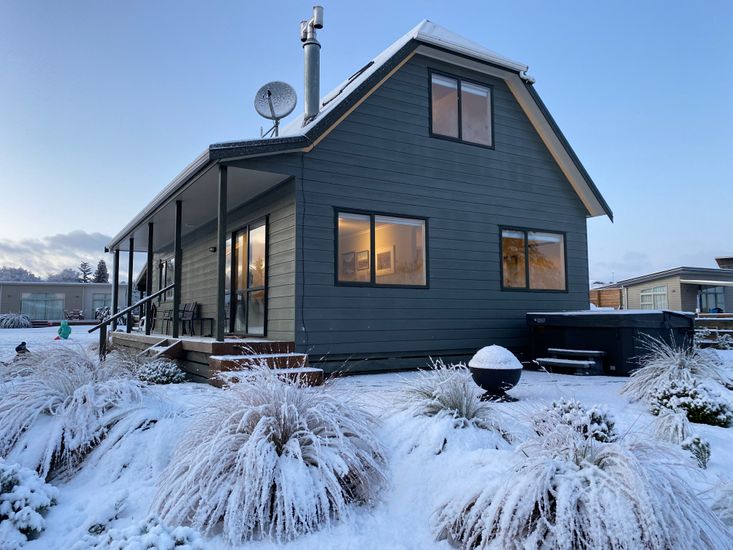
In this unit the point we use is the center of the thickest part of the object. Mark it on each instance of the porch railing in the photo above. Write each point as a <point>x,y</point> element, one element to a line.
<point>103,325</point>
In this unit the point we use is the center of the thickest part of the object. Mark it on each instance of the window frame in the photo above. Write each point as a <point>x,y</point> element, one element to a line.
<point>372,260</point>
<point>459,79</point>
<point>527,231</point>
<point>261,221</point>
<point>163,264</point>
<point>650,292</point>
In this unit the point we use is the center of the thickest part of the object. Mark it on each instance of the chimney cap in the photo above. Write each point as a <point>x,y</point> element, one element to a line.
<point>317,17</point>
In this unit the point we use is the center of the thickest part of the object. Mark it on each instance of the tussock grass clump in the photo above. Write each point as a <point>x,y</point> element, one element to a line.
<point>672,427</point>
<point>271,459</point>
<point>567,490</point>
<point>15,320</point>
<point>448,390</point>
<point>73,399</point>
<point>664,363</point>
<point>722,503</point>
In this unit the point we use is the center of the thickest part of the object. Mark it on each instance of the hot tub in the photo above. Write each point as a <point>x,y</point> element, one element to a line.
<point>618,333</point>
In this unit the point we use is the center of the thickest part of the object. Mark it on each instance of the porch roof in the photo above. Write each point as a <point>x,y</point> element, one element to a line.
<point>197,189</point>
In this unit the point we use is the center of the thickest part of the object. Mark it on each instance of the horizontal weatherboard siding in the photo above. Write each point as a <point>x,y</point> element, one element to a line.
<point>382,158</point>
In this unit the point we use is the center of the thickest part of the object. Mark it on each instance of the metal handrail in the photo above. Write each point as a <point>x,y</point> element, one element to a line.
<point>103,325</point>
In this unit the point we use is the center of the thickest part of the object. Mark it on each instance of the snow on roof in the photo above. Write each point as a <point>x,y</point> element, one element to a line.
<point>610,312</point>
<point>425,31</point>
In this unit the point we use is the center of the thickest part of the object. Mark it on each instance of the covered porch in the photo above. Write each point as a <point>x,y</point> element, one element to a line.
<point>209,236</point>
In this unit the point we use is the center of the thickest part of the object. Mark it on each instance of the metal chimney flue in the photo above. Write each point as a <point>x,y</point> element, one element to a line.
<point>312,58</point>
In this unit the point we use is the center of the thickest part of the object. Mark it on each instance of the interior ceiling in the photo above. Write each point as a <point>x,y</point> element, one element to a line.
<point>200,202</point>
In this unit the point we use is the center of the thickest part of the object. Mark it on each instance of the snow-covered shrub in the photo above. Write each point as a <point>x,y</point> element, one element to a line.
<point>271,458</point>
<point>700,405</point>
<point>699,449</point>
<point>663,363</point>
<point>72,397</point>
<point>24,499</point>
<point>15,320</point>
<point>595,422</point>
<point>150,534</point>
<point>160,371</point>
<point>569,491</point>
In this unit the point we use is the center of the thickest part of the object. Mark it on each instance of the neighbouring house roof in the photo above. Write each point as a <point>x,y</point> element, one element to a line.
<point>55,283</point>
<point>426,38</point>
<point>687,275</point>
<point>724,262</point>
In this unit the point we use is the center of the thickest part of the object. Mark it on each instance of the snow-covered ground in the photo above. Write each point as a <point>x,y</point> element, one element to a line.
<point>116,486</point>
<point>42,337</point>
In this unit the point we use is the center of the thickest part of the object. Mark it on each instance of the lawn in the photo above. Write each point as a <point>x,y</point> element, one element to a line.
<point>428,461</point>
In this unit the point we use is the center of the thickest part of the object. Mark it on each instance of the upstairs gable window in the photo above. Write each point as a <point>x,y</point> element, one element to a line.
<point>460,110</point>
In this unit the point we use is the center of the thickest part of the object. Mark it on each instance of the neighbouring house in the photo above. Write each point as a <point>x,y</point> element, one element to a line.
<point>47,301</point>
<point>419,209</point>
<point>697,289</point>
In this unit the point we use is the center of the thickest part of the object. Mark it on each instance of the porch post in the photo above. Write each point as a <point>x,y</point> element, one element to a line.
<point>221,244</point>
<point>149,281</point>
<point>177,268</point>
<point>130,258</point>
<point>115,286</point>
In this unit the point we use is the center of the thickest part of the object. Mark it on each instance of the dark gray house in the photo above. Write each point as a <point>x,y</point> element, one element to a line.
<point>420,209</point>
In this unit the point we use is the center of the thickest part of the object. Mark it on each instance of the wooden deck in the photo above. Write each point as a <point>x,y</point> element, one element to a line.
<point>195,351</point>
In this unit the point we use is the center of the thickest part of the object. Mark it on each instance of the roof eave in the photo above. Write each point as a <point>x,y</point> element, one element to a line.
<point>566,144</point>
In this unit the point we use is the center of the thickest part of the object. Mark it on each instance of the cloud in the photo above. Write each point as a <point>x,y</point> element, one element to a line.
<point>53,253</point>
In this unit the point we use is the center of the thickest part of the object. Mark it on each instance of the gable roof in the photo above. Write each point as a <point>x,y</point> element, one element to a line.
<point>426,38</point>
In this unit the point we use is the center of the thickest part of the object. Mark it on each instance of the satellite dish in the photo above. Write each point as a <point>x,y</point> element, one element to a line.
<point>275,100</point>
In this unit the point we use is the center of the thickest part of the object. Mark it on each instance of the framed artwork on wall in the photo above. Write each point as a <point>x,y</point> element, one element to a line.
<point>362,260</point>
<point>385,260</point>
<point>348,263</point>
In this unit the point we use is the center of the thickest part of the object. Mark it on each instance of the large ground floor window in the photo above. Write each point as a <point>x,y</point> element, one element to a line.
<point>712,299</point>
<point>532,260</point>
<point>653,298</point>
<point>43,305</point>
<point>380,250</point>
<point>101,299</point>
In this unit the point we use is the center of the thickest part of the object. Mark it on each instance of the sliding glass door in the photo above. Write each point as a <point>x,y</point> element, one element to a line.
<point>248,278</point>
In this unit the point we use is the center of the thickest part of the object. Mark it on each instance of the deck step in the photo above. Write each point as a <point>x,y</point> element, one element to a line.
<point>168,347</point>
<point>263,347</point>
<point>309,376</point>
<point>271,360</point>
<point>560,352</point>
<point>576,366</point>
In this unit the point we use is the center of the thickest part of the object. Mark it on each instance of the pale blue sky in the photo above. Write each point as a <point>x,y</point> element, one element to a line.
<point>102,103</point>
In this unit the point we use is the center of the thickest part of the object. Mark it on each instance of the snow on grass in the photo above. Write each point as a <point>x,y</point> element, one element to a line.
<point>58,404</point>
<point>664,363</point>
<point>567,490</point>
<point>271,459</point>
<point>114,490</point>
<point>39,338</point>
